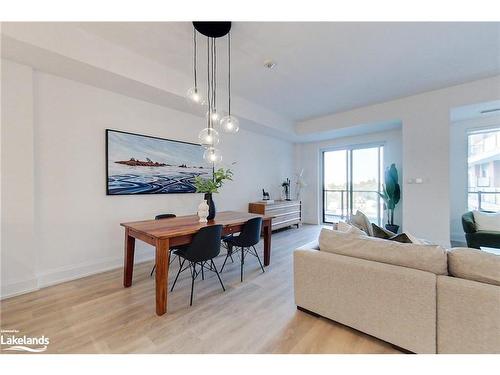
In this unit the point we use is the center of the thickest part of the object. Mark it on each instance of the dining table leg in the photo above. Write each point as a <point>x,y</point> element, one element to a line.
<point>162,260</point>
<point>128,268</point>
<point>267,242</point>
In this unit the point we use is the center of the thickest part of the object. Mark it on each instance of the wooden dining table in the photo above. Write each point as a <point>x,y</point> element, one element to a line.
<point>168,233</point>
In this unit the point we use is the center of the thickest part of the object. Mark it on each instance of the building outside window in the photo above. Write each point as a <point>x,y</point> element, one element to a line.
<point>484,170</point>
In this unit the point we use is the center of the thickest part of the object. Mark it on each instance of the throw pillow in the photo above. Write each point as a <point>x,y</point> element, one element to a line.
<point>348,228</point>
<point>487,221</point>
<point>361,221</point>
<point>402,237</point>
<point>380,232</point>
<point>385,234</point>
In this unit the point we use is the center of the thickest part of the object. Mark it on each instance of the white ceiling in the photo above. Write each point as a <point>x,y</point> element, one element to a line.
<point>324,68</point>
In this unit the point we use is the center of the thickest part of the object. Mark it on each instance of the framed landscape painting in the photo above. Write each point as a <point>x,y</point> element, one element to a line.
<point>140,164</point>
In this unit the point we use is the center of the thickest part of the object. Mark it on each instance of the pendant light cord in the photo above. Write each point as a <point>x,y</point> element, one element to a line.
<point>208,81</point>
<point>195,61</point>
<point>215,74</point>
<point>229,71</point>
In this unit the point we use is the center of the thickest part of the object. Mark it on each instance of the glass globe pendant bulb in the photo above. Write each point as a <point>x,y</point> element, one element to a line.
<point>212,155</point>
<point>230,124</point>
<point>214,116</point>
<point>209,137</point>
<point>194,97</point>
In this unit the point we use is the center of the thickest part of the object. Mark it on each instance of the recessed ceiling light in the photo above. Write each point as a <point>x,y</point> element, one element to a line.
<point>269,64</point>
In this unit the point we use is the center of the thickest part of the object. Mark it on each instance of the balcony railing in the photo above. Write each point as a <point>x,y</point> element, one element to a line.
<point>484,200</point>
<point>336,204</point>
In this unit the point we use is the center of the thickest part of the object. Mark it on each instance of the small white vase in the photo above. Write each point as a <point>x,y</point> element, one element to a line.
<point>203,211</point>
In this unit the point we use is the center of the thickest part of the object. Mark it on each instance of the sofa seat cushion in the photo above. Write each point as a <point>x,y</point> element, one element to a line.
<point>430,258</point>
<point>474,265</point>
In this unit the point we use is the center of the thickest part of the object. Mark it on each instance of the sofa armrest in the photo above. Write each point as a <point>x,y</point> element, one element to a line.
<point>468,222</point>
<point>468,316</point>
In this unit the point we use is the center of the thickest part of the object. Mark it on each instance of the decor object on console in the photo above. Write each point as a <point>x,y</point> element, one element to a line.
<point>141,164</point>
<point>284,213</point>
<point>265,195</point>
<point>391,195</point>
<point>300,184</point>
<point>286,189</point>
<point>203,211</point>
<point>212,186</point>
<point>228,123</point>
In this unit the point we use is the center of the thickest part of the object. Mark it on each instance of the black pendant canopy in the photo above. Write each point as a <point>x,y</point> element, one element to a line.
<point>212,29</point>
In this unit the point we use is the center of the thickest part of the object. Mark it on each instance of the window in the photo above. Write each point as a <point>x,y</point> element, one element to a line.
<point>484,170</point>
<point>352,179</point>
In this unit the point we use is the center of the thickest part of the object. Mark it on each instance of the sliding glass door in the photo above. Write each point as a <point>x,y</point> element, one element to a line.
<point>352,179</point>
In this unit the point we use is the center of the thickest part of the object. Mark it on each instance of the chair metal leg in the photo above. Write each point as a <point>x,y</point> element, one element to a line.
<point>169,263</point>
<point>202,273</point>
<point>242,261</point>
<point>192,283</point>
<point>177,276</point>
<point>172,257</point>
<point>217,273</point>
<point>258,258</point>
<point>223,264</point>
<point>230,252</point>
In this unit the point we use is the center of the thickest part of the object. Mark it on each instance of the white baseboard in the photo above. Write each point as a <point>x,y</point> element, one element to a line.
<point>17,288</point>
<point>64,274</point>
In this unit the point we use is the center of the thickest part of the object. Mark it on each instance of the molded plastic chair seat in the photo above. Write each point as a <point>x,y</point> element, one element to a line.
<point>246,240</point>
<point>203,248</point>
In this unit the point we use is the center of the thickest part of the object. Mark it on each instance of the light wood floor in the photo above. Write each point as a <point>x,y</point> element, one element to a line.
<point>97,315</point>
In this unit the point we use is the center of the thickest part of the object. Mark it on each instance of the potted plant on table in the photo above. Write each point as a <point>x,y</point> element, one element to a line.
<point>211,186</point>
<point>391,195</point>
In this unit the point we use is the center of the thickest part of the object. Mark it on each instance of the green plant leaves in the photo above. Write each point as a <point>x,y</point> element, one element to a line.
<point>212,186</point>
<point>391,191</point>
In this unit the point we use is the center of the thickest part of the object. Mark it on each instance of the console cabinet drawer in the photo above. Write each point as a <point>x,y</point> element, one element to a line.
<point>284,213</point>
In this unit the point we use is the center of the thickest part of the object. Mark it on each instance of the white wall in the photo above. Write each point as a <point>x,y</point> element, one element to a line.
<point>308,157</point>
<point>458,170</point>
<point>17,198</point>
<point>426,146</point>
<point>78,230</point>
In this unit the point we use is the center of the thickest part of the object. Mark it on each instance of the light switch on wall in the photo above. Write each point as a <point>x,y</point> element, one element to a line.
<point>416,180</point>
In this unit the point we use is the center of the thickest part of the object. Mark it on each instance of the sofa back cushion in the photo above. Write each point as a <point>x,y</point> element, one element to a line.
<point>487,221</point>
<point>476,265</point>
<point>430,258</point>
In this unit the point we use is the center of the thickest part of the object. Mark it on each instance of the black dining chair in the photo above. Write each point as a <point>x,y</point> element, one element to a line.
<point>246,241</point>
<point>203,248</point>
<point>172,256</point>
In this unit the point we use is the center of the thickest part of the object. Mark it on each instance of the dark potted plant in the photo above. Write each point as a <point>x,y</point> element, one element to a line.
<point>212,186</point>
<point>391,195</point>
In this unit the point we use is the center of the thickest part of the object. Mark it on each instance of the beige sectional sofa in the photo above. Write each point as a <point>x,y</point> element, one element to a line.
<point>422,298</point>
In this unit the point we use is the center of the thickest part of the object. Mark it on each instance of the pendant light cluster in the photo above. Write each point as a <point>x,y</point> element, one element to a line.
<point>216,120</point>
